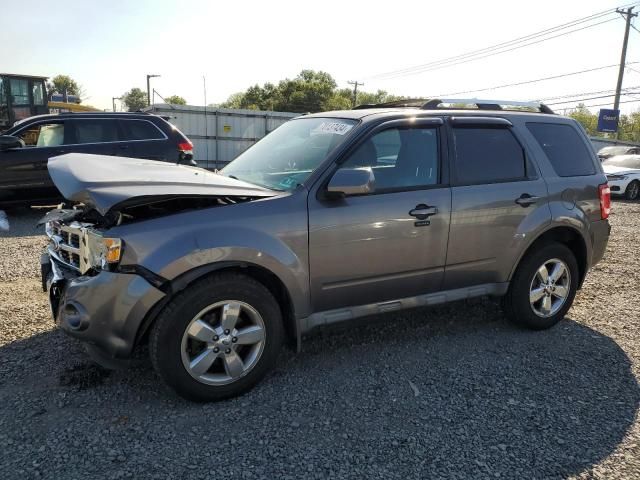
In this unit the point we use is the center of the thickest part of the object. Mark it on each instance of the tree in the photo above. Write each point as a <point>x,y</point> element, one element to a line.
<point>64,83</point>
<point>587,119</point>
<point>310,91</point>
<point>175,100</point>
<point>135,99</point>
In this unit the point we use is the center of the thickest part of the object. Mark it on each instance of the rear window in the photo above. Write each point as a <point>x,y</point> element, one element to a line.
<point>564,148</point>
<point>487,155</point>
<point>96,131</point>
<point>140,130</point>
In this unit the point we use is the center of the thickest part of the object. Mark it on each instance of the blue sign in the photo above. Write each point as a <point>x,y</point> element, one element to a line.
<point>608,120</point>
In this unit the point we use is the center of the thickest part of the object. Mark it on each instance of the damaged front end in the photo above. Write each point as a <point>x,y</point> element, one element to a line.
<point>106,192</point>
<point>93,297</point>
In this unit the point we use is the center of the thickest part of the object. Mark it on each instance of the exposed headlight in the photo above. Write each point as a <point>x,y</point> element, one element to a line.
<point>102,252</point>
<point>616,177</point>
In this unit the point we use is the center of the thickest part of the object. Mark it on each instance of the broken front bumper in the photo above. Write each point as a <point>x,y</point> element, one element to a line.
<point>105,310</point>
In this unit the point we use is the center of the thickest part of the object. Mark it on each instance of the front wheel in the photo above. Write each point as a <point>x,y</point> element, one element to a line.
<point>632,191</point>
<point>543,287</point>
<point>218,338</point>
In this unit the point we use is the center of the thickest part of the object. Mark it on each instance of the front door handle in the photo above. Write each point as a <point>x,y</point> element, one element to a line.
<point>525,200</point>
<point>422,211</point>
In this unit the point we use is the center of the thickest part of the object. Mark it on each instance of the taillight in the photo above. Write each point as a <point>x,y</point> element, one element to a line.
<point>186,147</point>
<point>604,192</point>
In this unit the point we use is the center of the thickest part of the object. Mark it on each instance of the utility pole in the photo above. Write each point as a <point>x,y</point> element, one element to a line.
<point>628,15</point>
<point>149,89</point>
<point>113,101</point>
<point>355,91</point>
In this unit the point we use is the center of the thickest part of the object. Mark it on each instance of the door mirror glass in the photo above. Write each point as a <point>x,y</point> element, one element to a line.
<point>7,142</point>
<point>352,181</point>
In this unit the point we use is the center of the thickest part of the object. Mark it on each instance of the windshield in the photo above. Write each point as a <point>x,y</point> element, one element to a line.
<point>286,157</point>
<point>628,161</point>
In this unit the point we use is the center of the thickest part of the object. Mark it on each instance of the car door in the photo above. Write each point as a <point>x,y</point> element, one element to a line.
<point>146,140</point>
<point>24,170</point>
<point>373,248</point>
<point>498,196</point>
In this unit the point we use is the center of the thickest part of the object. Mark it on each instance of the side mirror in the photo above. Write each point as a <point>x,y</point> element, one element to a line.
<point>352,181</point>
<point>7,142</point>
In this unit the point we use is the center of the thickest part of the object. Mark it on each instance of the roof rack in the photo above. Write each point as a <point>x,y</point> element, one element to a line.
<point>481,104</point>
<point>407,102</point>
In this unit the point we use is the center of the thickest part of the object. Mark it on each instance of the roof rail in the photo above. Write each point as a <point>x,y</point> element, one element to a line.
<point>481,104</point>
<point>484,104</point>
<point>407,102</point>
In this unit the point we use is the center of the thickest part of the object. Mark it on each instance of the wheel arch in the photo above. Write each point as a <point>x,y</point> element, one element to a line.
<point>565,235</point>
<point>267,278</point>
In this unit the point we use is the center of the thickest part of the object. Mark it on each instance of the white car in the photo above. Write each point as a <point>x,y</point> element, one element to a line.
<point>623,175</point>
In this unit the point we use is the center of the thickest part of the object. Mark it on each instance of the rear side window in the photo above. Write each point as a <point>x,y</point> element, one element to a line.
<point>96,131</point>
<point>487,155</point>
<point>564,148</point>
<point>140,130</point>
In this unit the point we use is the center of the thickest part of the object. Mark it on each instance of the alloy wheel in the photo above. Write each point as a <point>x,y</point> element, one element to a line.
<point>549,288</point>
<point>223,342</point>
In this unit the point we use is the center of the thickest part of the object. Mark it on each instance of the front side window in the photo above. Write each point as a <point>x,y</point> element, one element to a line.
<point>19,91</point>
<point>287,156</point>
<point>487,155</point>
<point>96,131</point>
<point>399,157</point>
<point>564,148</point>
<point>43,135</point>
<point>3,96</point>
<point>38,93</point>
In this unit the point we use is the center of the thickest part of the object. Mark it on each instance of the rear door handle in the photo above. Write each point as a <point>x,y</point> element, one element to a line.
<point>525,200</point>
<point>422,211</point>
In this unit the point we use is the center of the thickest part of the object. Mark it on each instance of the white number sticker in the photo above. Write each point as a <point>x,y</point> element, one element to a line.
<point>336,128</point>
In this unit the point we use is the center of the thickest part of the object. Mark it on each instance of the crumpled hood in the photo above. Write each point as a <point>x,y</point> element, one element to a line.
<point>104,182</point>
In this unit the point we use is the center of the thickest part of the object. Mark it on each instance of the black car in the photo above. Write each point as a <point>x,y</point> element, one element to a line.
<point>27,146</point>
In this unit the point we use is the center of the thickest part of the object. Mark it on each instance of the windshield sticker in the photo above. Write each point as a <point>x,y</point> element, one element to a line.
<point>336,128</point>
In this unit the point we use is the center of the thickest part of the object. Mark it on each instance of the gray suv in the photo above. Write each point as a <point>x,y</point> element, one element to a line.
<point>331,217</point>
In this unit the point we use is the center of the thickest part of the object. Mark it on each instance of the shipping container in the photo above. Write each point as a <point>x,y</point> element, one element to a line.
<point>220,134</point>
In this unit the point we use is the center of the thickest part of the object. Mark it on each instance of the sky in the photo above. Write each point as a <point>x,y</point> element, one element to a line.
<point>110,46</point>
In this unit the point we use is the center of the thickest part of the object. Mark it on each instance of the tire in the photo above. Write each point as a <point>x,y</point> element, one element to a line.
<point>191,329</point>
<point>632,191</point>
<point>527,283</point>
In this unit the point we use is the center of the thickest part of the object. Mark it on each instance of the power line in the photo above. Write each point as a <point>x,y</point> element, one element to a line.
<point>578,100</point>
<point>583,94</point>
<point>491,50</point>
<point>491,54</point>
<point>609,103</point>
<point>526,82</point>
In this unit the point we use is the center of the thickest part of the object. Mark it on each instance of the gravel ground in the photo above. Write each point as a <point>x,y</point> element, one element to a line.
<point>452,392</point>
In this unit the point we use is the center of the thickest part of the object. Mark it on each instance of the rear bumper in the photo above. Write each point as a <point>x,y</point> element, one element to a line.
<point>104,311</point>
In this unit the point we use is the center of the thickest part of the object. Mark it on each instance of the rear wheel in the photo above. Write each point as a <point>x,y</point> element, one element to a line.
<point>218,338</point>
<point>543,288</point>
<point>632,191</point>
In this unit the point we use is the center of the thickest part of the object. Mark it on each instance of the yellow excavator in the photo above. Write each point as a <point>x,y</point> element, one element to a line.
<point>22,96</point>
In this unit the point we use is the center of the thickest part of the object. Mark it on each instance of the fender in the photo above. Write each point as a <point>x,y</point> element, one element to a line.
<point>271,234</point>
